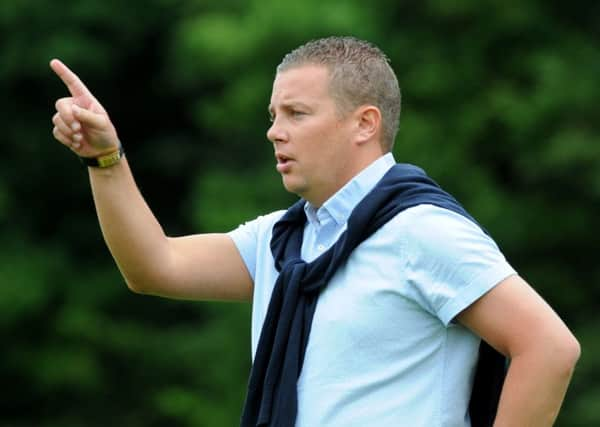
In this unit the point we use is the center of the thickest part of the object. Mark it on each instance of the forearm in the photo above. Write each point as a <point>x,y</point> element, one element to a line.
<point>133,235</point>
<point>206,266</point>
<point>534,389</point>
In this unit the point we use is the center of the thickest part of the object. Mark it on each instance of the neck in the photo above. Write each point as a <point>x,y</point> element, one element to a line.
<point>349,173</point>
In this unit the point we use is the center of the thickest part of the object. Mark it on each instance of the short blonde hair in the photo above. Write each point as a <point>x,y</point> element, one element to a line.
<point>360,74</point>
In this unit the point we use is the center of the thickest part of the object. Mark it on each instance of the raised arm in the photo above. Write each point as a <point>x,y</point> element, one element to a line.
<point>206,266</point>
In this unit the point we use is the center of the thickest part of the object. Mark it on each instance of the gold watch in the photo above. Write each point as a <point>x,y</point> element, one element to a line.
<point>104,161</point>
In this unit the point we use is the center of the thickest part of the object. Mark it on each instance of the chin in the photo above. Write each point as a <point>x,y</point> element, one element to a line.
<point>293,186</point>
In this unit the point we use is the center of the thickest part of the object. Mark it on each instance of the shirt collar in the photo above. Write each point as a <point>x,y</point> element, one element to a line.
<point>340,205</point>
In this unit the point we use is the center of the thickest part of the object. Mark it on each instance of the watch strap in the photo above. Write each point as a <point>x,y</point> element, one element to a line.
<point>104,161</point>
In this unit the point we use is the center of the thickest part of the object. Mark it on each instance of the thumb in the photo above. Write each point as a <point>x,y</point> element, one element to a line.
<point>91,120</point>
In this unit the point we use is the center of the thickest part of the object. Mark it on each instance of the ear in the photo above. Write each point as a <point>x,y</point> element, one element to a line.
<point>368,123</point>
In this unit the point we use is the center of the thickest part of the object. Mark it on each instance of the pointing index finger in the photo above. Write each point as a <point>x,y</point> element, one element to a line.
<point>69,78</point>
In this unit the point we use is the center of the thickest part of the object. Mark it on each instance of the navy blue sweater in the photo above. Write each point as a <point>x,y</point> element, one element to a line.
<point>272,395</point>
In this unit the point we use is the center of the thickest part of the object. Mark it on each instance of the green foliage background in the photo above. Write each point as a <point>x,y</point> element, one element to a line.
<point>500,106</point>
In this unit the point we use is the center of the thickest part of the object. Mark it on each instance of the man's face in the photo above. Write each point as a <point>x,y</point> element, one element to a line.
<point>311,140</point>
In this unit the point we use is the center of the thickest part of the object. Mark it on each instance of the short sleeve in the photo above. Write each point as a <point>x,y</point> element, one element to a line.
<point>450,261</point>
<point>251,236</point>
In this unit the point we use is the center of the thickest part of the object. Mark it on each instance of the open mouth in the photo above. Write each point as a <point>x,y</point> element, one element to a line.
<point>282,159</point>
<point>283,162</point>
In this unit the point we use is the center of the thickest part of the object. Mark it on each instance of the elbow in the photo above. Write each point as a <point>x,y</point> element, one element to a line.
<point>573,351</point>
<point>141,285</point>
<point>135,286</point>
<point>566,352</point>
<point>558,354</point>
<point>150,278</point>
<point>146,280</point>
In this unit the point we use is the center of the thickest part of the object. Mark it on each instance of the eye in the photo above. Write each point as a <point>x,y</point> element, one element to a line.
<point>297,114</point>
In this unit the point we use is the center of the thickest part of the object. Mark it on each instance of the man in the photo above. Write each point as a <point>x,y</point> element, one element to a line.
<point>392,337</point>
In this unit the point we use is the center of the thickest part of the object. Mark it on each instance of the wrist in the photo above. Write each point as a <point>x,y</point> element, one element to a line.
<point>104,160</point>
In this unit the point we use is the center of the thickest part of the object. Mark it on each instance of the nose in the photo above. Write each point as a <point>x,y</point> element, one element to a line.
<point>276,133</point>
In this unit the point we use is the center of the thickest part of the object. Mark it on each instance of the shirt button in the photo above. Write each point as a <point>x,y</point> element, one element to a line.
<point>320,248</point>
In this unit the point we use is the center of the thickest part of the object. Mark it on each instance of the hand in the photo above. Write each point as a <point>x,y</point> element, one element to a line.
<point>81,123</point>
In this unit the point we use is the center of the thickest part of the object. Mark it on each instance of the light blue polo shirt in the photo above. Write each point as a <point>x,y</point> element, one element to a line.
<point>383,350</point>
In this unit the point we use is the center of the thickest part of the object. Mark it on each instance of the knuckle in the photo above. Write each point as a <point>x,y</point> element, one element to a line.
<point>60,125</point>
<point>58,135</point>
<point>56,119</point>
<point>61,103</point>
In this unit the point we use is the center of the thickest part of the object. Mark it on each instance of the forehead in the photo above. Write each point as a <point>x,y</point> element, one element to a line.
<point>301,83</point>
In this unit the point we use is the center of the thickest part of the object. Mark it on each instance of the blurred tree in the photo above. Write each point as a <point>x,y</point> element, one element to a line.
<point>500,106</point>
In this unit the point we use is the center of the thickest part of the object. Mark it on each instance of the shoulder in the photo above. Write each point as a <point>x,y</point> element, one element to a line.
<point>260,223</point>
<point>434,239</point>
<point>252,238</point>
<point>427,226</point>
<point>435,236</point>
<point>431,228</point>
<point>448,257</point>
<point>253,232</point>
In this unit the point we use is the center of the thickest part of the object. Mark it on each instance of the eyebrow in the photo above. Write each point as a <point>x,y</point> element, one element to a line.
<point>288,106</point>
